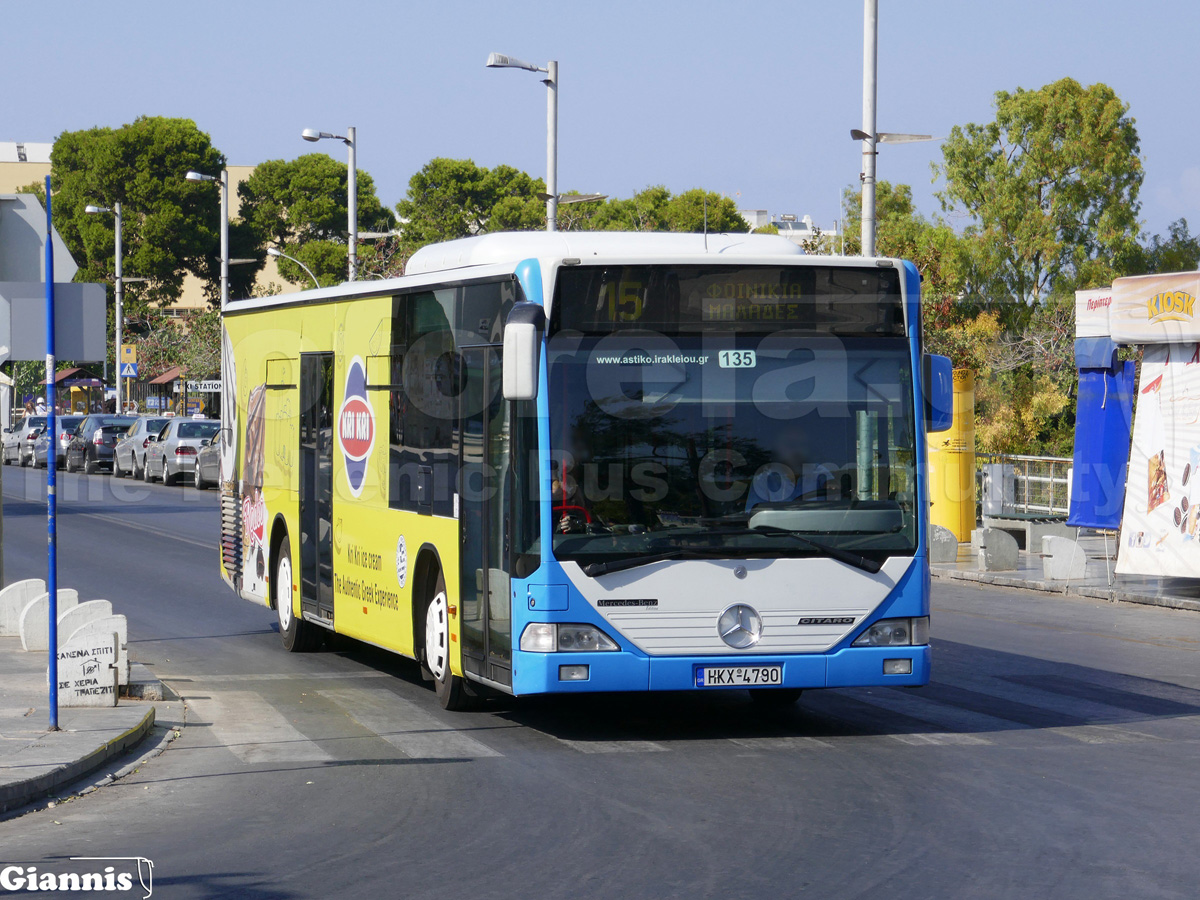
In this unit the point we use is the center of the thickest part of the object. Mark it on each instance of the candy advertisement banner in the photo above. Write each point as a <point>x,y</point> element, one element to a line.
<point>1159,527</point>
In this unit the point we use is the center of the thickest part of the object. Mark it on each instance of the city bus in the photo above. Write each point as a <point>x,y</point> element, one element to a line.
<point>560,462</point>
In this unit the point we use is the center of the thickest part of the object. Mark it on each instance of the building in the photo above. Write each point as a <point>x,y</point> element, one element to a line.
<point>800,230</point>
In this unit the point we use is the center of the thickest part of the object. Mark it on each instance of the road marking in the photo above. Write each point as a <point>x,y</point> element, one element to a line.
<point>405,725</point>
<point>273,676</point>
<point>782,743</point>
<point>253,730</point>
<point>613,746</point>
<point>116,520</point>
<point>1103,734</point>
<point>961,726</point>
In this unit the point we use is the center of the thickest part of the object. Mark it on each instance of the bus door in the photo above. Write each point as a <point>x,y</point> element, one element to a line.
<point>316,484</point>
<point>485,486</point>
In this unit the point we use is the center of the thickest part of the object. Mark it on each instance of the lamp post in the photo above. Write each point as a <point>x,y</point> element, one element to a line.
<point>351,141</point>
<point>223,180</point>
<point>119,282</point>
<point>500,61</point>
<point>279,254</point>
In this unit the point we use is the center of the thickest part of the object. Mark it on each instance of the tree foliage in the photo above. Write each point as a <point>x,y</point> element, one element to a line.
<point>299,207</point>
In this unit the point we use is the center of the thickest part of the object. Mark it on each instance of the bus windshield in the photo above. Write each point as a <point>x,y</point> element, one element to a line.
<point>731,439</point>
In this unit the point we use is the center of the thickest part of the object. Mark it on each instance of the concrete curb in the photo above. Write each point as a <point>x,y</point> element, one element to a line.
<point>1112,595</point>
<point>20,793</point>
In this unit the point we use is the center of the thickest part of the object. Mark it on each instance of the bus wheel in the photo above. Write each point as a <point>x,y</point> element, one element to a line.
<point>452,691</point>
<point>775,698</point>
<point>297,635</point>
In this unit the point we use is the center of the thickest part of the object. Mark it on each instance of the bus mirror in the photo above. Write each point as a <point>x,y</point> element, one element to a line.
<point>938,388</point>
<point>523,350</point>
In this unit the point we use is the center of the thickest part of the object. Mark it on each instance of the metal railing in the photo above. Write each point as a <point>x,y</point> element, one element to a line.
<point>1040,485</point>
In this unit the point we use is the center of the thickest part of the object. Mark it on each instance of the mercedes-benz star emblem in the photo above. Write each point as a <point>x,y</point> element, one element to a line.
<point>740,626</point>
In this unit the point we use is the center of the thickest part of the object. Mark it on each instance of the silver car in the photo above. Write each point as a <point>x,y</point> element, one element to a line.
<point>208,463</point>
<point>66,426</point>
<point>18,440</point>
<point>172,452</point>
<point>129,457</point>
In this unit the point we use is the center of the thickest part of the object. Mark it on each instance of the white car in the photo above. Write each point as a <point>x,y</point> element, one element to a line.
<point>172,452</point>
<point>18,446</point>
<point>129,457</point>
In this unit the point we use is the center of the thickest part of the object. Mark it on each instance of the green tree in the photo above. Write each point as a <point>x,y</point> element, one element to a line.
<point>299,207</point>
<point>454,198</point>
<point>171,226</point>
<point>1178,252</point>
<point>1051,188</point>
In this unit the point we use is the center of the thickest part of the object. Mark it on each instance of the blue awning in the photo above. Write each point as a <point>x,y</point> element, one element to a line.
<point>1103,428</point>
<point>1095,353</point>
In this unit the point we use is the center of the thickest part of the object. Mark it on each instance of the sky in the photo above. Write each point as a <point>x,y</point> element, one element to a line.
<point>754,99</point>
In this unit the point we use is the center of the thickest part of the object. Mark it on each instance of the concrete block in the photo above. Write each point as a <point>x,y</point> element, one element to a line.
<point>976,538</point>
<point>15,598</point>
<point>997,551</point>
<point>1062,559</point>
<point>943,545</point>
<point>109,625</point>
<point>87,670</point>
<point>80,615</point>
<point>35,618</point>
<point>1039,530</point>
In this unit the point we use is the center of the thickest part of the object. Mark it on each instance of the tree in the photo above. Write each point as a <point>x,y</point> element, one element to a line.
<point>1051,187</point>
<point>1178,252</point>
<point>171,226</point>
<point>454,198</point>
<point>299,207</point>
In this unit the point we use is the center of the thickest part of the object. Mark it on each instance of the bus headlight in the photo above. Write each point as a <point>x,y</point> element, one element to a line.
<point>895,633</point>
<point>545,637</point>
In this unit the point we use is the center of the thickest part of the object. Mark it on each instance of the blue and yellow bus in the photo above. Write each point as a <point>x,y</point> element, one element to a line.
<point>566,462</point>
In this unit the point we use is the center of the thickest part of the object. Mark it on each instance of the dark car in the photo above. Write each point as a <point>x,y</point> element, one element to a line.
<point>208,463</point>
<point>91,446</point>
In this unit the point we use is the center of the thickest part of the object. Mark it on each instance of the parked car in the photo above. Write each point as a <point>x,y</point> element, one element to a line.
<point>18,441</point>
<point>172,452</point>
<point>208,463</point>
<point>92,444</point>
<point>65,425</point>
<point>129,456</point>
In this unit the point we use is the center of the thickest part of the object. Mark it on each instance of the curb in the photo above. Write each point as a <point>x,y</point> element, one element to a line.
<point>22,792</point>
<point>1112,595</point>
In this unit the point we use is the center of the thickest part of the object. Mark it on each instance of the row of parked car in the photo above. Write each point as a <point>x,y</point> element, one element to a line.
<point>147,447</point>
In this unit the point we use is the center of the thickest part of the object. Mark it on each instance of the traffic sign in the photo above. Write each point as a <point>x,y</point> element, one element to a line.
<point>129,370</point>
<point>129,353</point>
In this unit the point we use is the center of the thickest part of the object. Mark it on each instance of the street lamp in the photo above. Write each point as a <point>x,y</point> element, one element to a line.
<point>279,254</point>
<point>870,141</point>
<point>500,61</point>
<point>115,209</point>
<point>311,134</point>
<point>223,180</point>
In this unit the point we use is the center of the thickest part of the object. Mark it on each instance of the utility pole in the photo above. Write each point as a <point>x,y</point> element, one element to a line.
<point>870,95</point>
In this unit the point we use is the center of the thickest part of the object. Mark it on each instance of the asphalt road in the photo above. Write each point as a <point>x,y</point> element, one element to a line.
<point>1054,755</point>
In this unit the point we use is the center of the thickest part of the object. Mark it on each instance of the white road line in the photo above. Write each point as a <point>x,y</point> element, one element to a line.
<point>272,676</point>
<point>253,729</point>
<point>613,746</point>
<point>782,743</point>
<point>962,726</point>
<point>405,725</point>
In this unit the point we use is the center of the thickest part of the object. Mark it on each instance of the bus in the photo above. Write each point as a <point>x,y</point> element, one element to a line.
<point>561,462</point>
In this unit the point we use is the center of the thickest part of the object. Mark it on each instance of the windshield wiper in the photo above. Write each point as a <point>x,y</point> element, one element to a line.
<point>856,560</point>
<point>630,562</point>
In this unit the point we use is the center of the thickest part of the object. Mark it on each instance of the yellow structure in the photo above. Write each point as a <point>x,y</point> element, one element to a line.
<point>952,463</point>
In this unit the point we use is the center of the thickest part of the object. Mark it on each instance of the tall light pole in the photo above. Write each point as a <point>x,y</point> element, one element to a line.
<point>115,209</point>
<point>870,93</point>
<point>350,140</point>
<point>223,180</point>
<point>500,61</point>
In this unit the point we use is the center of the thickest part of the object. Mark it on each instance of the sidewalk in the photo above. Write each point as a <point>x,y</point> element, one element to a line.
<point>1099,583</point>
<point>35,762</point>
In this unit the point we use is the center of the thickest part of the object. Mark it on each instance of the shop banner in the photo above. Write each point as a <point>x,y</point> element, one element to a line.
<point>1155,309</point>
<point>1091,312</point>
<point>1159,526</point>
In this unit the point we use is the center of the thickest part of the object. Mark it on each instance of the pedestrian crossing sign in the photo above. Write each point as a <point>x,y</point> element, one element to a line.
<point>129,370</point>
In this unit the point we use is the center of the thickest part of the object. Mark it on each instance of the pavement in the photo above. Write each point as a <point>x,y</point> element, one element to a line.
<point>36,762</point>
<point>1099,582</point>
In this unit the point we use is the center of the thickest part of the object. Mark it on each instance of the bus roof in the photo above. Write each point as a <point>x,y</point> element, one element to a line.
<point>513,246</point>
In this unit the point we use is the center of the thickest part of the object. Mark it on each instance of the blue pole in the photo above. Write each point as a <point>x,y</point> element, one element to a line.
<point>51,469</point>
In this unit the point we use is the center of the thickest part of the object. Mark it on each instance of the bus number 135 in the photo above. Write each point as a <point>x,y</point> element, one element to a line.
<point>736,359</point>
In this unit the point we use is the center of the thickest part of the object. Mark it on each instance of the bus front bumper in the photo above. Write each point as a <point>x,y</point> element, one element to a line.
<point>553,673</point>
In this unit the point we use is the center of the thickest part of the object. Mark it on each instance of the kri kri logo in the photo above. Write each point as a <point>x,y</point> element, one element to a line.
<point>356,426</point>
<point>1170,306</point>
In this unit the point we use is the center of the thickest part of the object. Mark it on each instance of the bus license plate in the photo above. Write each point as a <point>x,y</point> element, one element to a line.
<point>738,676</point>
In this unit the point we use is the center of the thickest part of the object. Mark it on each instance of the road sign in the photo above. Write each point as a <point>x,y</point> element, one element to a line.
<point>128,353</point>
<point>129,370</point>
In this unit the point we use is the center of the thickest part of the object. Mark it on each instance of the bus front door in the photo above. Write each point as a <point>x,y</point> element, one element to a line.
<point>485,484</point>
<point>316,484</point>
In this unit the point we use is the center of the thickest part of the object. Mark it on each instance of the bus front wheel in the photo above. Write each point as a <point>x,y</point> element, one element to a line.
<point>452,690</point>
<point>297,635</point>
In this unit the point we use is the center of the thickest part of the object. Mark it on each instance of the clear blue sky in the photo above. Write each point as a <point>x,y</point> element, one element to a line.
<point>751,99</point>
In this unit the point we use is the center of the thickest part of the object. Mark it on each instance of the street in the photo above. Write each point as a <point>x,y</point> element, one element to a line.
<point>1053,754</point>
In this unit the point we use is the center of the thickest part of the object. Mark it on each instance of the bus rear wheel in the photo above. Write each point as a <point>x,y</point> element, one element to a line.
<point>452,691</point>
<point>297,635</point>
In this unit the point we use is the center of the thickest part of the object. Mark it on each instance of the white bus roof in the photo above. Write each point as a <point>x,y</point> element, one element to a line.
<point>513,246</point>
